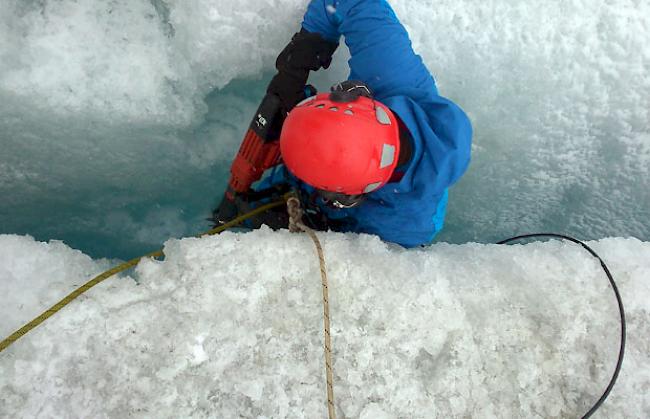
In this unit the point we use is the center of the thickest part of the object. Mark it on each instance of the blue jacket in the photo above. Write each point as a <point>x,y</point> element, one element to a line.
<point>409,212</point>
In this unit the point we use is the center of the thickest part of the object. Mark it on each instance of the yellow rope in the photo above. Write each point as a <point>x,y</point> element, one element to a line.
<point>131,263</point>
<point>295,225</point>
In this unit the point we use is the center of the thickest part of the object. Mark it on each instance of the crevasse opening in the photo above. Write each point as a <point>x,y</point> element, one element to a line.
<point>118,121</point>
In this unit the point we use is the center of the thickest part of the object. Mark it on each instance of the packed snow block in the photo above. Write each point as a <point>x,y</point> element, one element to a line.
<point>35,275</point>
<point>231,326</point>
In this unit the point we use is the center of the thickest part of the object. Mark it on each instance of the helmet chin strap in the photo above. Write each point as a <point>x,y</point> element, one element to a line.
<point>340,200</point>
<point>339,205</point>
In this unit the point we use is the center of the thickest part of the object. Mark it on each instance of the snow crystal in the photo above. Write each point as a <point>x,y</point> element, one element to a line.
<point>198,351</point>
<point>231,326</point>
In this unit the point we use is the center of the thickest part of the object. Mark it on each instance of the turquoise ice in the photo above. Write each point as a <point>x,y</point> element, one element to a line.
<point>118,120</point>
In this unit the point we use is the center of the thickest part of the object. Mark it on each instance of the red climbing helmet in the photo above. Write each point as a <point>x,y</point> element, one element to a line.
<point>343,142</point>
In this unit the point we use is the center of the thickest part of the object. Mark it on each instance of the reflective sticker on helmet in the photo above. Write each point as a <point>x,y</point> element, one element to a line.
<point>334,109</point>
<point>372,187</point>
<point>306,101</point>
<point>382,116</point>
<point>348,112</point>
<point>387,156</point>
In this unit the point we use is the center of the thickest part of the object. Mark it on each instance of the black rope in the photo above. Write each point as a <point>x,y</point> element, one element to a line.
<point>621,351</point>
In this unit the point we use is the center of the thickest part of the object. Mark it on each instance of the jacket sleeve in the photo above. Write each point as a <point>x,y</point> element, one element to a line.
<point>382,57</point>
<point>380,48</point>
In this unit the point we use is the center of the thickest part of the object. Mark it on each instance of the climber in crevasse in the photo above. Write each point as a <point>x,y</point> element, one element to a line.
<point>376,155</point>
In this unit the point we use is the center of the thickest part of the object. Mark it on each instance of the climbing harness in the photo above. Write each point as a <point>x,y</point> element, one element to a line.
<point>296,225</point>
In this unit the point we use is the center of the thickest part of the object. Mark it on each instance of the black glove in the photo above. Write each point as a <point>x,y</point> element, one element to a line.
<point>228,209</point>
<point>276,218</point>
<point>306,52</point>
<point>235,204</point>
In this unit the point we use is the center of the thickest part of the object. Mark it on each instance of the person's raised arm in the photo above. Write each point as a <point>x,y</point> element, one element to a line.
<point>383,58</point>
<point>380,48</point>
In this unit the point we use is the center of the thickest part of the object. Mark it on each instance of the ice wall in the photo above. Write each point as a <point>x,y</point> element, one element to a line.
<point>231,326</point>
<point>118,119</point>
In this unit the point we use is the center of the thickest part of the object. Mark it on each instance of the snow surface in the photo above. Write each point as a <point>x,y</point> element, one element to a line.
<point>231,326</point>
<point>118,120</point>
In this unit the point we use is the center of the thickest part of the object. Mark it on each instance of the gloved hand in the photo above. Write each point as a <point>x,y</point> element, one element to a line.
<point>306,52</point>
<point>236,204</point>
<point>228,209</point>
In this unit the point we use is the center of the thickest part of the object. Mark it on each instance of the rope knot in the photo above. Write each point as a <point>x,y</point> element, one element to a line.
<point>295,215</point>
